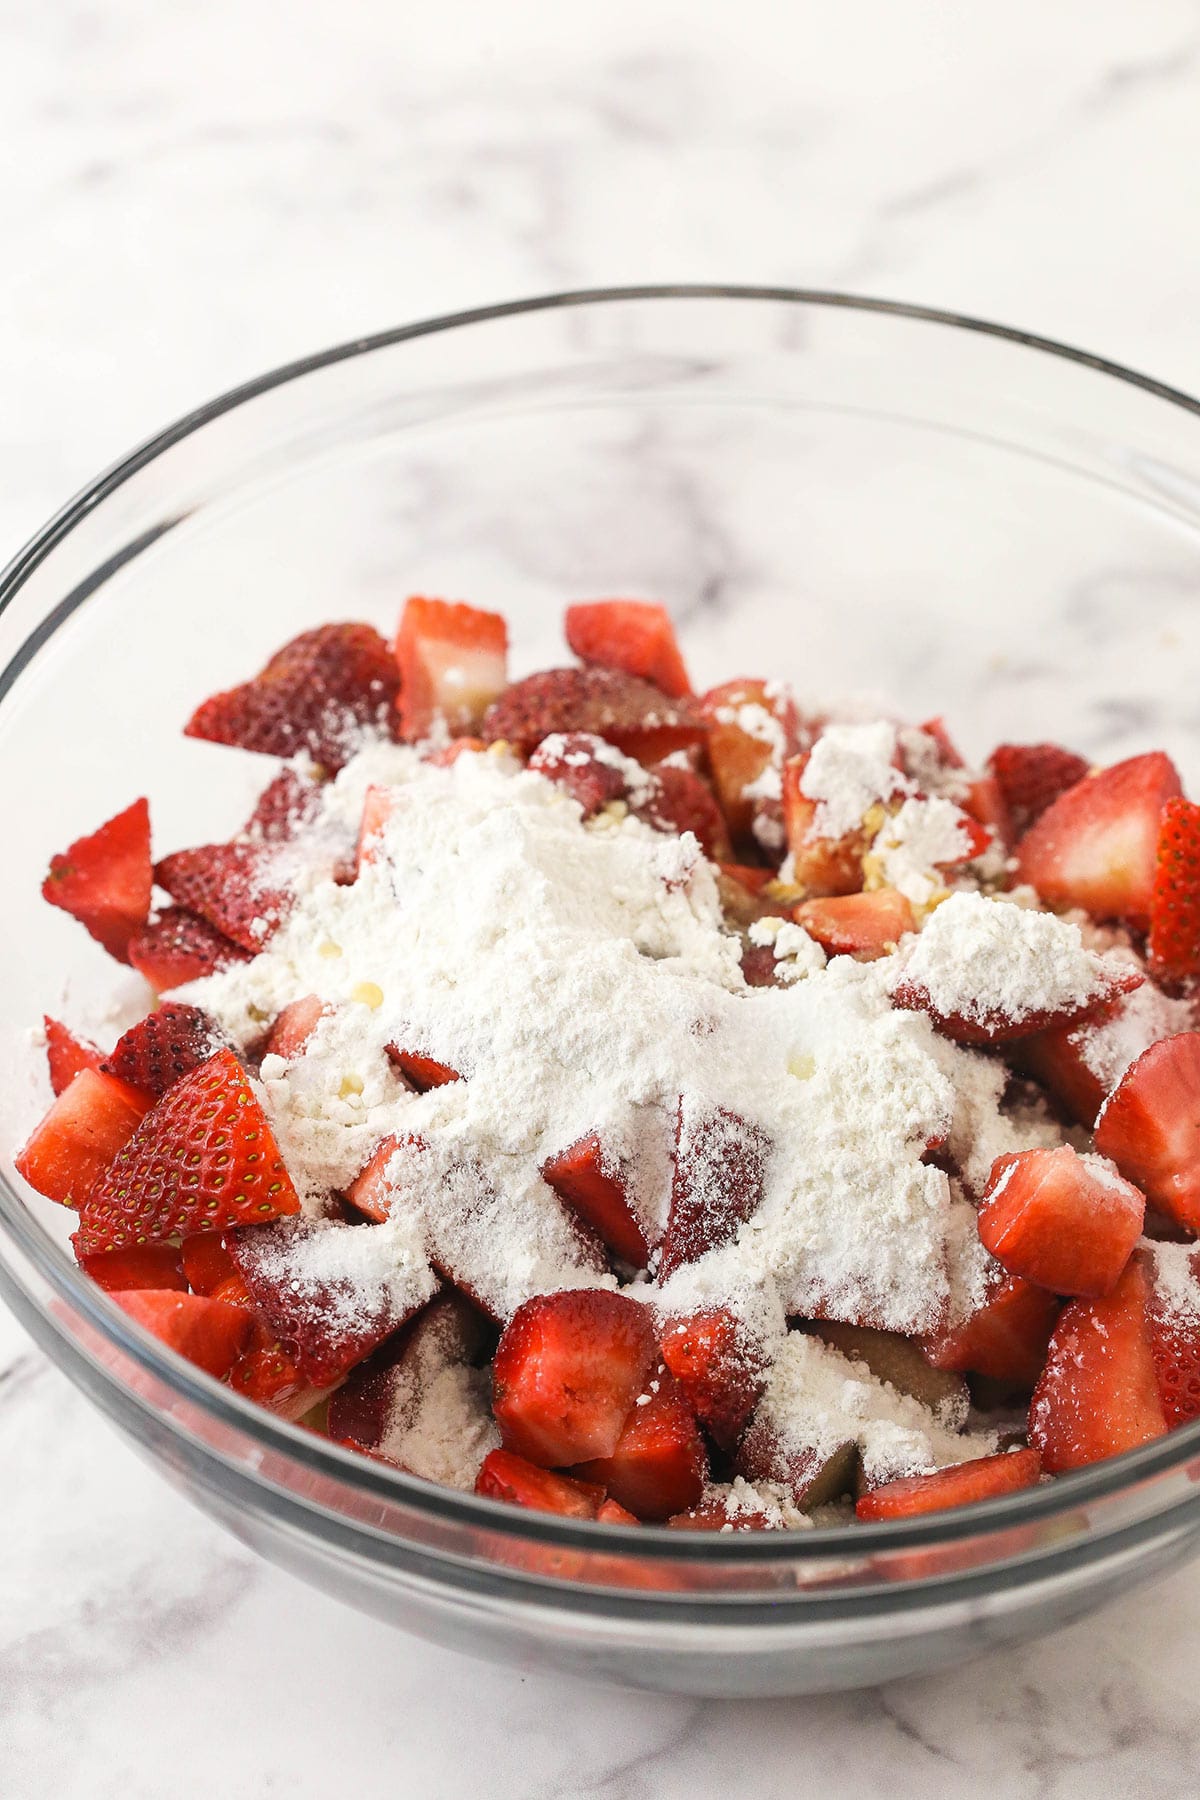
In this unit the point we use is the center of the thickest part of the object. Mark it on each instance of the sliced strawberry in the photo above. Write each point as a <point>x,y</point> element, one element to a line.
<point>79,1137</point>
<point>1173,1317</point>
<point>286,805</point>
<point>960,1485</point>
<point>178,947</point>
<point>421,1071</point>
<point>862,925</point>
<point>683,801</point>
<point>1150,1126</point>
<point>822,866</point>
<point>206,1261</point>
<point>582,764</point>
<point>567,1371</point>
<point>716,1184</point>
<point>320,693</point>
<point>233,886</point>
<point>104,879</point>
<point>1098,1394</point>
<point>207,1332</point>
<point>163,1047</point>
<point>446,755</point>
<point>1063,1221</point>
<point>1057,1059</point>
<point>1003,1027</point>
<point>202,1159</point>
<point>266,1374</point>
<point>711,1515</point>
<point>613,1513</point>
<point>453,663</point>
<point>371,1190</point>
<point>295,1025</point>
<point>141,1266</point>
<point>659,1465</point>
<point>720,1368</point>
<point>1006,1337</point>
<point>386,1388</point>
<point>596,1187</point>
<point>985,803</point>
<point>635,636</point>
<point>751,725</point>
<point>67,1054</point>
<point>1031,777</point>
<point>635,716</point>
<point>504,1476</point>
<point>1097,845</point>
<point>378,803</point>
<point>1173,947</point>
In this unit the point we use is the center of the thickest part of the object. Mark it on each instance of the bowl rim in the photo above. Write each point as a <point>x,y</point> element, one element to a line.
<point>375,1480</point>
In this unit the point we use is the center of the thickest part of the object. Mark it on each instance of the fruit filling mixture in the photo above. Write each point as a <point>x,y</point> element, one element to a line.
<point>645,1105</point>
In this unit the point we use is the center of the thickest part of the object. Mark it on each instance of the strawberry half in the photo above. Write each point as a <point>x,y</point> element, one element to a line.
<point>207,1332</point>
<point>505,1476</point>
<point>453,662</point>
<point>104,879</point>
<point>141,1266</point>
<point>720,1368</point>
<point>1173,947</point>
<point>659,1465</point>
<point>1031,777</point>
<point>1063,1221</point>
<point>67,1054</point>
<point>812,1476</point>
<point>596,1188</point>
<point>963,1484</point>
<point>1150,1126</point>
<point>1006,1337</point>
<point>1096,846</point>
<point>575,761</point>
<point>163,1047</point>
<point>230,885</point>
<point>634,715</point>
<point>716,1184</point>
<point>79,1137</point>
<point>203,1158</point>
<point>635,636</point>
<point>862,925</point>
<point>178,947</point>
<point>711,1515</point>
<point>320,694</point>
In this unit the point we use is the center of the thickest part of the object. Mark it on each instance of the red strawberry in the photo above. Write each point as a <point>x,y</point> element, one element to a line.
<point>206,1261</point>
<point>638,718</point>
<point>446,755</point>
<point>104,879</point>
<point>385,1389</point>
<point>717,1183</point>
<point>178,947</point>
<point>750,725</point>
<point>377,810</point>
<point>720,1369</point>
<point>575,760</point>
<point>1150,1126</point>
<point>659,1465</point>
<point>1173,948</point>
<point>232,886</point>
<point>861,925</point>
<point>1031,777</point>
<point>202,1159</point>
<point>613,1513</point>
<point>960,1485</point>
<point>320,693</point>
<point>141,1266</point>
<point>1098,1394</point>
<point>821,865</point>
<point>1003,1028</point>
<point>295,1025</point>
<point>596,1187</point>
<point>710,1515</point>
<point>207,1332</point>
<point>567,1371</point>
<point>1057,1059</point>
<point>1097,845</point>
<point>984,802</point>
<point>371,1190</point>
<point>1006,1337</point>
<point>66,1054</point>
<point>163,1047</point>
<point>1173,1318</point>
<point>759,964</point>
<point>635,636</point>
<point>421,1071</point>
<point>1063,1221</point>
<point>683,801</point>
<point>453,663</point>
<point>503,1476</point>
<point>79,1137</point>
<point>266,1374</point>
<point>286,805</point>
<point>746,876</point>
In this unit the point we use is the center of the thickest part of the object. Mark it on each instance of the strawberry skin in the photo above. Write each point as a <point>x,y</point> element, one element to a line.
<point>1096,846</point>
<point>574,760</point>
<point>862,925</point>
<point>1150,1126</point>
<point>231,886</point>
<point>1173,947</point>
<point>595,1187</point>
<point>1098,1394</point>
<point>178,947</point>
<point>1006,1338</point>
<point>420,1071</point>
<point>67,1054</point>
<point>163,1047</point>
<point>452,663</point>
<point>659,1465</point>
<point>265,1374</point>
<point>1063,1221</point>
<point>505,1476</point>
<point>1175,1347</point>
<point>141,1266</point>
<point>80,1135</point>
<point>286,805</point>
<point>716,1184</point>
<point>1031,777</point>
<point>104,880</point>
<point>207,1332</point>
<point>632,714</point>
<point>719,1368</point>
<point>683,801</point>
<point>961,1485</point>
<point>203,1158</point>
<point>635,636</point>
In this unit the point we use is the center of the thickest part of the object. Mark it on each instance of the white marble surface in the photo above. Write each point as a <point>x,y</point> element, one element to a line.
<point>192,192</point>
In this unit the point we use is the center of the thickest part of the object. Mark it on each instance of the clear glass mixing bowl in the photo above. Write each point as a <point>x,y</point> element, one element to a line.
<point>866,498</point>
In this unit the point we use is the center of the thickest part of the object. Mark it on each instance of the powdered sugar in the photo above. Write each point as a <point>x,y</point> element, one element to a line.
<point>1141,1019</point>
<point>915,843</point>
<point>850,769</point>
<point>1175,1270</point>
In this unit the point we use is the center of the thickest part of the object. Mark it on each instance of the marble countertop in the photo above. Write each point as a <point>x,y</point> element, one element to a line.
<point>193,193</point>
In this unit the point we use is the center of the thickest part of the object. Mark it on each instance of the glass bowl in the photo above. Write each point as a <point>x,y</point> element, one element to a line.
<point>869,499</point>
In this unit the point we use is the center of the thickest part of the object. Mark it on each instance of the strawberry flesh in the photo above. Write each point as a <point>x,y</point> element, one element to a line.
<point>683,801</point>
<point>596,1188</point>
<point>208,1332</point>
<point>1175,1342</point>
<point>140,1266</point>
<point>177,947</point>
<point>1031,777</point>
<point>1098,1394</point>
<point>960,1485</point>
<point>822,866</point>
<point>78,1138</point>
<point>635,636</point>
<point>206,1261</point>
<point>632,714</point>
<point>295,1025</point>
<point>575,761</point>
<point>506,1476</point>
<point>1006,1337</point>
<point>104,879</point>
<point>446,1332</point>
<point>659,1465</point>
<point>738,757</point>
<point>163,1047</point>
<point>862,925</point>
<point>420,1071</point>
<point>1150,1126</point>
<point>67,1054</point>
<point>720,1368</point>
<point>1065,1222</point>
<point>716,1183</point>
<point>1005,1028</point>
<point>266,1374</point>
<point>1096,846</point>
<point>452,663</point>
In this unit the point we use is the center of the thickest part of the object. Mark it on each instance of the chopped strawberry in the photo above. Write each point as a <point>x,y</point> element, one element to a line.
<point>759,966</point>
<point>1063,1221</point>
<point>960,1485</point>
<point>66,1054</point>
<point>177,947</point>
<point>582,764</point>
<point>266,1374</point>
<point>79,1137</point>
<point>716,1185</point>
<point>754,880</point>
<point>163,1047</point>
<point>446,755</point>
<point>386,1388</point>
<point>140,1266</point>
<point>1173,947</point>
<point>295,1025</point>
<point>1098,1394</point>
<point>320,693</point>
<point>504,1476</point>
<point>1175,1338</point>
<point>378,803</point>
<point>203,1158</point>
<point>207,1332</point>
<point>371,1190</point>
<point>683,801</point>
<point>634,636</point>
<point>639,719</point>
<point>596,1187</point>
<point>232,886</point>
<point>720,1368</point>
<point>206,1261</point>
<point>286,805</point>
<point>1006,1337</point>
<point>453,663</point>
<point>613,1513</point>
<point>1031,777</point>
<point>659,1465</point>
<point>751,724</point>
<point>813,1476</point>
<point>985,803</point>
<point>862,925</point>
<point>104,879</point>
<point>822,866</point>
<point>1096,846</point>
<point>711,1515</point>
<point>1002,1027</point>
<point>1150,1123</point>
<point>567,1371</point>
<point>1057,1058</point>
<point>420,1071</point>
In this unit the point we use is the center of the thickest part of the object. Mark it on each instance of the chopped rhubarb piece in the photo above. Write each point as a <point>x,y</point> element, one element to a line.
<point>634,715</point>
<point>67,1054</point>
<point>659,1465</point>
<point>596,1187</point>
<point>322,693</point>
<point>295,1025</point>
<point>813,1476</point>
<point>960,1485</point>
<point>822,866</point>
<point>582,764</point>
<point>453,663</point>
<point>1150,1126</point>
<point>163,1047</point>
<point>204,1157</point>
<point>1173,947</point>
<point>1098,1394</point>
<point>1031,777</point>
<point>421,1071</point>
<point>900,1362</point>
<point>206,1261</point>
<point>567,1371</point>
<point>752,725</point>
<point>267,1375</point>
<point>683,801</point>
<point>716,1184</point>
<point>286,805</point>
<point>505,1476</point>
<point>177,947</point>
<point>385,1390</point>
<point>140,1266</point>
<point>207,1332</point>
<point>613,1513</point>
<point>79,1137</point>
<point>635,636</point>
<point>232,886</point>
<point>862,925</point>
<point>721,1369</point>
<point>1097,845</point>
<point>1063,1221</point>
<point>104,879</point>
<point>1006,1337</point>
